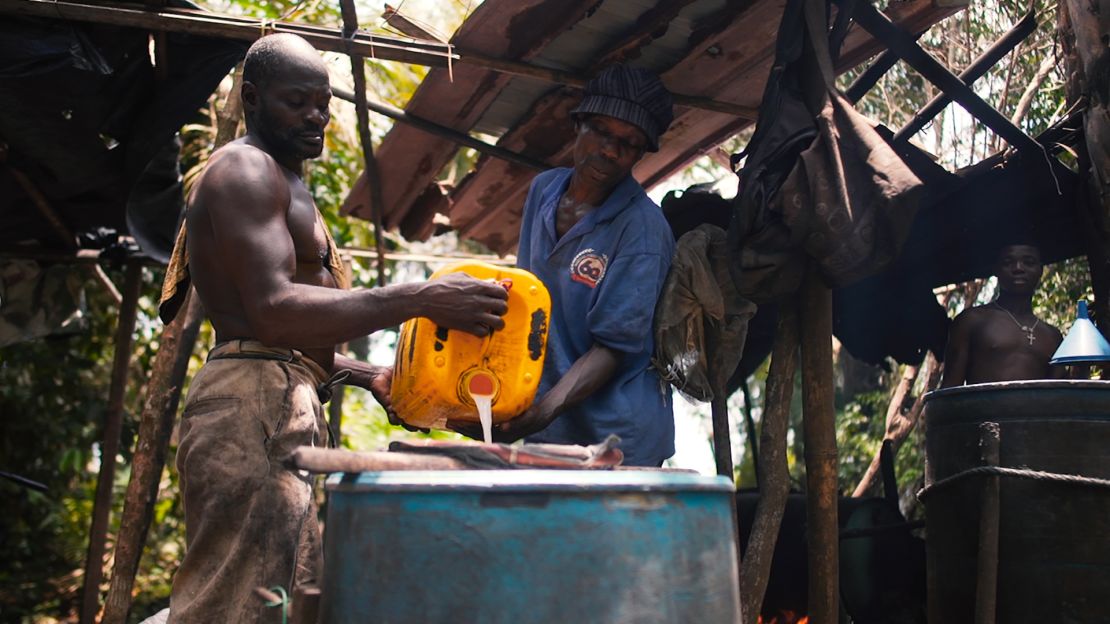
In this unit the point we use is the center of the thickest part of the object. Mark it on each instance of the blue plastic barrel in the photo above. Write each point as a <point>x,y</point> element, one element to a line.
<point>526,546</point>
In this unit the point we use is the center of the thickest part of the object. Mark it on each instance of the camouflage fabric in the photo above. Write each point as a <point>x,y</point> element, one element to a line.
<point>701,321</point>
<point>37,301</point>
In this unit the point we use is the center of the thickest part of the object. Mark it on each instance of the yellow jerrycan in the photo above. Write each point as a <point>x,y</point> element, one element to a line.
<point>437,370</point>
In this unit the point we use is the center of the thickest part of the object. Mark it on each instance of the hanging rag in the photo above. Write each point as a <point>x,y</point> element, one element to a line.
<point>701,321</point>
<point>819,180</point>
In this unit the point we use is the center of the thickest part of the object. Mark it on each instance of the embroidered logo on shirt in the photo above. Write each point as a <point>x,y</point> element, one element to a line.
<point>588,267</point>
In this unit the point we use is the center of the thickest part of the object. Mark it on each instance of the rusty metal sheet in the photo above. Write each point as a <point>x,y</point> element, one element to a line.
<point>410,159</point>
<point>487,205</point>
<point>731,64</point>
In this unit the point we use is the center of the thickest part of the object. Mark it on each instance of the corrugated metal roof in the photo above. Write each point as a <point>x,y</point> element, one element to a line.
<point>716,49</point>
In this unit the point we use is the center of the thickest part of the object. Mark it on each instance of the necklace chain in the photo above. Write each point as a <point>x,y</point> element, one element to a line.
<point>1025,328</point>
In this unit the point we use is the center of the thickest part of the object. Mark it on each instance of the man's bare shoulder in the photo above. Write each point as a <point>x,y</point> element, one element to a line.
<point>1055,331</point>
<point>238,172</point>
<point>240,156</point>
<point>973,316</point>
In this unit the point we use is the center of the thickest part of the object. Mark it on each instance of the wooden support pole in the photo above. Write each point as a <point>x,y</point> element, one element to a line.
<point>373,176</point>
<point>774,482</point>
<point>167,376</point>
<point>986,586</point>
<point>109,446</point>
<point>819,426</point>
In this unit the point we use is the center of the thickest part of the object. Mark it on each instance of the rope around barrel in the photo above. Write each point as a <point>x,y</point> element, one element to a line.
<point>1020,473</point>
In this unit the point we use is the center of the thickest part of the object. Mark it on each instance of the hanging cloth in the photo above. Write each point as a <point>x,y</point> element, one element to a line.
<point>701,322</point>
<point>819,180</point>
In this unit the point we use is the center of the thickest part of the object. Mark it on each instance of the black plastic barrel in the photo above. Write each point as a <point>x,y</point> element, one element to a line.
<point>1054,535</point>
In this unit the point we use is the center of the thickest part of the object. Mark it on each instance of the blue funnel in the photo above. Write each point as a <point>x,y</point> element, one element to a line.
<point>1083,344</point>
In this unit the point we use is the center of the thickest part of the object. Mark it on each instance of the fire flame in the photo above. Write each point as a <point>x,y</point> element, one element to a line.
<point>785,617</point>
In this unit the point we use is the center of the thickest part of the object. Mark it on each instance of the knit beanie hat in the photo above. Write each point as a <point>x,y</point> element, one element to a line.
<point>632,95</point>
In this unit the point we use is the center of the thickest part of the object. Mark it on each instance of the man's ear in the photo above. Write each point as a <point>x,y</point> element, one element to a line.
<point>249,93</point>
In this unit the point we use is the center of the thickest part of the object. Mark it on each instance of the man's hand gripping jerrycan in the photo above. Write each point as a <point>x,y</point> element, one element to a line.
<point>437,369</point>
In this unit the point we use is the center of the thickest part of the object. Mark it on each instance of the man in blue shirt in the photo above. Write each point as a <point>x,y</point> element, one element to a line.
<point>603,249</point>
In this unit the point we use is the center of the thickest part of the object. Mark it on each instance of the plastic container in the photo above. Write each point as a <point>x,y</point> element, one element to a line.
<point>436,368</point>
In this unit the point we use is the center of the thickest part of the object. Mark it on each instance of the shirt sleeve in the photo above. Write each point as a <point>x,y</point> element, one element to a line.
<point>620,316</point>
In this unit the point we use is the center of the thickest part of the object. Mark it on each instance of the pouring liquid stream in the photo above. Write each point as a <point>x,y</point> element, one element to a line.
<point>481,390</point>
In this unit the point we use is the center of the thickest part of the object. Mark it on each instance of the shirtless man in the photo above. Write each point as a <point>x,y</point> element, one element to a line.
<point>263,265</point>
<point>1003,340</point>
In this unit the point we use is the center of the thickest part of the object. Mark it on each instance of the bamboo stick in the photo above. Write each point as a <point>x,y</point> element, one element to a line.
<point>325,461</point>
<point>819,426</point>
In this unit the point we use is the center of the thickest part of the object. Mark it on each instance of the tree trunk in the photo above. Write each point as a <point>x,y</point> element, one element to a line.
<point>1083,26</point>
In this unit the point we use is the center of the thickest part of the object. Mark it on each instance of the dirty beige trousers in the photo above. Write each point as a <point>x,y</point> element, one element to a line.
<point>249,521</point>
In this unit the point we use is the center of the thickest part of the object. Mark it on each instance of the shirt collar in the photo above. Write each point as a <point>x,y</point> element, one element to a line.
<point>622,196</point>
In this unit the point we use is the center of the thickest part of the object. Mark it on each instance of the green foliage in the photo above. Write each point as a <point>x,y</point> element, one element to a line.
<point>953,136</point>
<point>1063,284</point>
<point>53,394</point>
<point>859,432</point>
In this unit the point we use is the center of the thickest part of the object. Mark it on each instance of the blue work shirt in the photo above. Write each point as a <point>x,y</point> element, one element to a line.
<point>605,275</point>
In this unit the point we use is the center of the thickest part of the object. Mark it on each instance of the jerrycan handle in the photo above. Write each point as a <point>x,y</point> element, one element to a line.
<point>507,284</point>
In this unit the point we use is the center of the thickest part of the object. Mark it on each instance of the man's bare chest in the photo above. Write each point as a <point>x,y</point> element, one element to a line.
<point>306,228</point>
<point>1002,338</point>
